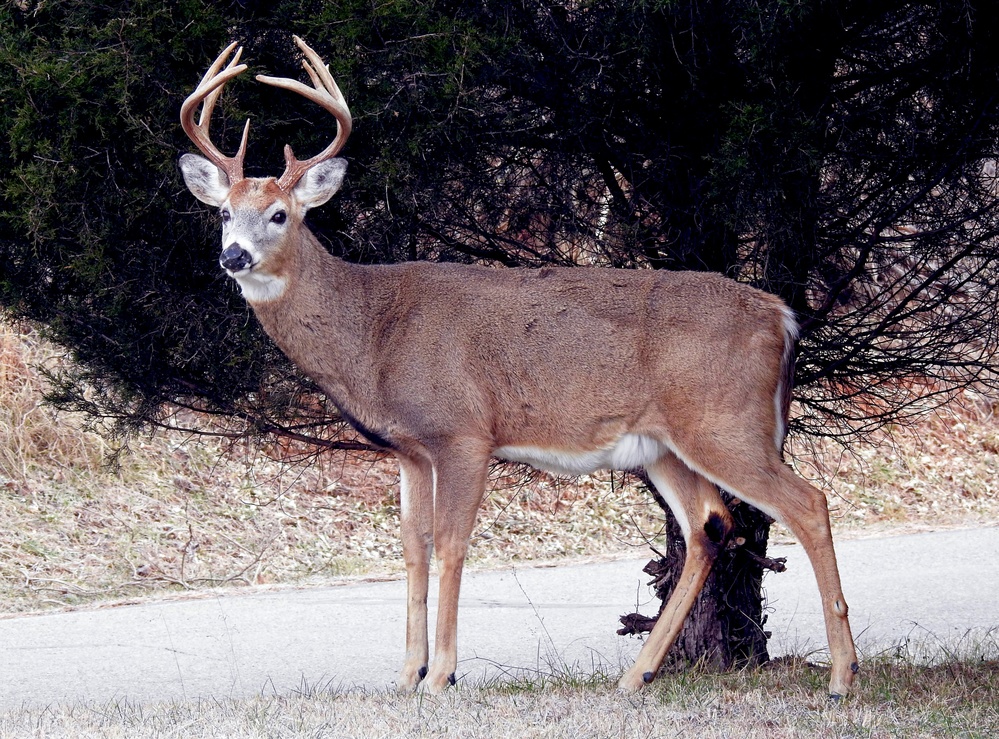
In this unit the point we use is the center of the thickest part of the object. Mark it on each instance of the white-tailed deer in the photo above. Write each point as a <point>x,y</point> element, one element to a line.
<point>684,374</point>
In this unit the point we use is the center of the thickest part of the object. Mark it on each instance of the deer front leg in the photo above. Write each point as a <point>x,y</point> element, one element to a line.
<point>460,484</point>
<point>417,509</point>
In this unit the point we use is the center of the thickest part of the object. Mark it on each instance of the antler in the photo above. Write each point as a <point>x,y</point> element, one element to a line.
<point>325,93</point>
<point>208,91</point>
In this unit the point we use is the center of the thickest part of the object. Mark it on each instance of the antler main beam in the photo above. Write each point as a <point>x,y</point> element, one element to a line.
<point>324,93</point>
<point>207,92</point>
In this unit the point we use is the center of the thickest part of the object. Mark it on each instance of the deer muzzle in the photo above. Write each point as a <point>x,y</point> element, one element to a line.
<point>235,258</point>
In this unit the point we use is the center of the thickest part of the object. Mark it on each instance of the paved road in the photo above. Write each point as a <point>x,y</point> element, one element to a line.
<point>928,587</point>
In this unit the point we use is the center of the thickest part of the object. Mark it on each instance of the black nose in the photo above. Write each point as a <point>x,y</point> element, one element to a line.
<point>235,258</point>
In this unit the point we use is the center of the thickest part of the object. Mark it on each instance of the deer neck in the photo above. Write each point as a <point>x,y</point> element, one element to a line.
<point>320,318</point>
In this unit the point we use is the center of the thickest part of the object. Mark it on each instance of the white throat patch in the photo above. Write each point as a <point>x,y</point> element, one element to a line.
<point>260,288</point>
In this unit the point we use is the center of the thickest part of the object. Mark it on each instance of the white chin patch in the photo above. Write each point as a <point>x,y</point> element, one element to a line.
<point>259,288</point>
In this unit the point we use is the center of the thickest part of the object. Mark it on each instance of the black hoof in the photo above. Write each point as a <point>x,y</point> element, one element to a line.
<point>451,679</point>
<point>423,672</point>
<point>855,668</point>
<point>835,698</point>
<point>648,677</point>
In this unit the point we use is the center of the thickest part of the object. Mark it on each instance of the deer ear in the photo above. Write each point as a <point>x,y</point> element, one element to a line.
<point>206,182</point>
<point>320,183</point>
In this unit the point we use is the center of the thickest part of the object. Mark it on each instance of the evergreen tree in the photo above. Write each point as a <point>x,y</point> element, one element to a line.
<point>841,155</point>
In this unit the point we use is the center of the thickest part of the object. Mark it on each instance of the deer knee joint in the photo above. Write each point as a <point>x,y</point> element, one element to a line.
<point>840,607</point>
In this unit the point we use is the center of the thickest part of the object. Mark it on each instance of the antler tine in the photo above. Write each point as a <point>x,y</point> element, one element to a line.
<point>208,92</point>
<point>325,93</point>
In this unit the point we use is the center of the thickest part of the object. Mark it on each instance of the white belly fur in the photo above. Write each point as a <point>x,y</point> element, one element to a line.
<point>631,451</point>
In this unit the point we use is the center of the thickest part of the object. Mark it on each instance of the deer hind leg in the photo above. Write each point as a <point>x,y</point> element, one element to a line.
<point>803,509</point>
<point>755,473</point>
<point>417,514</point>
<point>706,525</point>
<point>460,481</point>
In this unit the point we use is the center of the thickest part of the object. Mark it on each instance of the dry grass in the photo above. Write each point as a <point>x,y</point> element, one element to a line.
<point>32,438</point>
<point>180,514</point>
<point>938,473</point>
<point>187,513</point>
<point>959,698</point>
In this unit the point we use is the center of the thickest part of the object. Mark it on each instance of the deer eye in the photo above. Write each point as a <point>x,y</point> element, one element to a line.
<point>279,217</point>
<point>226,216</point>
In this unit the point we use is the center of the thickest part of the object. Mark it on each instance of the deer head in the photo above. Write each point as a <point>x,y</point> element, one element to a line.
<point>261,216</point>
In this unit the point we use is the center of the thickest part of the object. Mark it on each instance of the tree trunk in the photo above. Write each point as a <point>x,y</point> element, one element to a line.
<point>725,627</point>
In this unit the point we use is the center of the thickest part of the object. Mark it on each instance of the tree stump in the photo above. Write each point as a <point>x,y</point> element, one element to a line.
<point>725,628</point>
